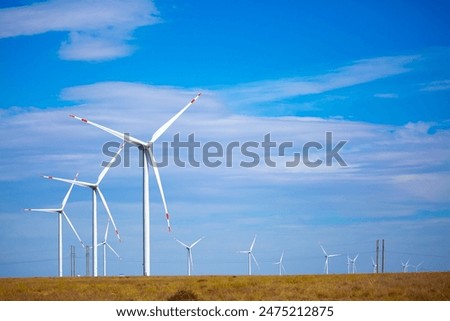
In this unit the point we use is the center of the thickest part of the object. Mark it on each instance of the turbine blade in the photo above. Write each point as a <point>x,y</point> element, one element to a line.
<point>282,267</point>
<point>186,246</point>
<point>64,202</point>
<point>70,181</point>
<point>254,259</point>
<point>253,243</point>
<point>323,250</point>
<point>110,247</point>
<point>122,136</point>
<point>46,210</point>
<point>73,228</point>
<point>107,167</point>
<point>106,231</point>
<point>158,181</point>
<point>193,244</point>
<point>99,192</point>
<point>164,127</point>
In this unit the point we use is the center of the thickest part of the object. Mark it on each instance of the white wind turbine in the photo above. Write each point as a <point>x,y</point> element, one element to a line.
<point>250,257</point>
<point>327,256</point>
<point>146,158</point>
<point>374,265</point>
<point>281,266</point>
<point>351,262</point>
<point>405,266</point>
<point>95,191</point>
<point>417,266</point>
<point>105,244</point>
<point>190,261</point>
<point>60,211</point>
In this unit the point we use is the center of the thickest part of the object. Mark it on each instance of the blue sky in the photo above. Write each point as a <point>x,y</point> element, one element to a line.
<point>375,75</point>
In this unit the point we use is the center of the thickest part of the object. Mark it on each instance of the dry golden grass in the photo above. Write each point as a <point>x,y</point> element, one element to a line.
<point>374,287</point>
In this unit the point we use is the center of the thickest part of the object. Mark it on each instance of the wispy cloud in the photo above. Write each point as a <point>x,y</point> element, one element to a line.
<point>360,72</point>
<point>437,85</point>
<point>98,29</point>
<point>386,95</point>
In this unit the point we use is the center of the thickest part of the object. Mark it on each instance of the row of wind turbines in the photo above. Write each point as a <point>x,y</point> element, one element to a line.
<point>147,159</point>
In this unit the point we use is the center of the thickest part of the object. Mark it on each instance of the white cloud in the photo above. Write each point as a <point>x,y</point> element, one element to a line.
<point>437,85</point>
<point>386,95</point>
<point>361,71</point>
<point>98,29</point>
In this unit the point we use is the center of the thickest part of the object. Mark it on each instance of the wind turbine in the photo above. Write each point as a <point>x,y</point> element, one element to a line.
<point>327,256</point>
<point>146,158</point>
<point>280,263</point>
<point>417,266</point>
<point>106,244</point>
<point>95,191</point>
<point>351,262</point>
<point>60,211</point>
<point>250,257</point>
<point>405,266</point>
<point>190,262</point>
<point>374,265</point>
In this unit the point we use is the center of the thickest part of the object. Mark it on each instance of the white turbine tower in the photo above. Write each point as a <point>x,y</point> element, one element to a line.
<point>60,211</point>
<point>405,266</point>
<point>280,264</point>
<point>146,158</point>
<point>374,265</point>
<point>190,261</point>
<point>105,244</point>
<point>250,257</point>
<point>351,262</point>
<point>95,191</point>
<point>327,256</point>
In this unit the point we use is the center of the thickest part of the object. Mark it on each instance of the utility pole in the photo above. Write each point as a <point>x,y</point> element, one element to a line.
<point>87,260</point>
<point>382,256</point>
<point>377,251</point>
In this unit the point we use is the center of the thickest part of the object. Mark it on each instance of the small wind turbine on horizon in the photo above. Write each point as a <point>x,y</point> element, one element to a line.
<point>374,265</point>
<point>280,264</point>
<point>417,266</point>
<point>105,244</point>
<point>327,256</point>
<point>147,159</point>
<point>250,257</point>
<point>60,211</point>
<point>405,266</point>
<point>95,187</point>
<point>351,262</point>
<point>190,261</point>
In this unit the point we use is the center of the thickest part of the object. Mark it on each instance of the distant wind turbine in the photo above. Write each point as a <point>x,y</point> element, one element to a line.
<point>147,159</point>
<point>95,191</point>
<point>105,244</point>
<point>405,266</point>
<point>351,262</point>
<point>190,261</point>
<point>60,211</point>
<point>417,266</point>
<point>374,265</point>
<point>280,264</point>
<point>327,256</point>
<point>250,257</point>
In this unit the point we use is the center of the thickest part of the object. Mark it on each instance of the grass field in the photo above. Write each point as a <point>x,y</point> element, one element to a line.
<point>375,287</point>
